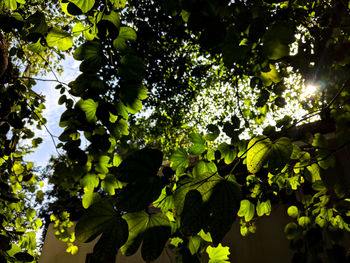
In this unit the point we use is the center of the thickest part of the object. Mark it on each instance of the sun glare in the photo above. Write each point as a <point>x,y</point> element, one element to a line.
<point>310,90</point>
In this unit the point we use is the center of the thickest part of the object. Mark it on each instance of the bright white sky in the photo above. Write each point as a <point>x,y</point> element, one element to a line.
<point>52,113</point>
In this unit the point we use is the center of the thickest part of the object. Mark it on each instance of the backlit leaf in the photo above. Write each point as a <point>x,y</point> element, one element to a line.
<point>84,5</point>
<point>218,254</point>
<point>246,210</point>
<point>89,106</point>
<point>59,38</point>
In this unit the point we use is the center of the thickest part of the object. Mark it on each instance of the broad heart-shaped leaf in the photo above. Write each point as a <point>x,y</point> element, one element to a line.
<point>138,195</point>
<point>203,167</point>
<point>87,50</point>
<point>86,85</point>
<point>183,186</point>
<point>91,54</point>
<point>59,38</point>
<point>112,17</point>
<point>281,150</point>
<point>258,150</point>
<point>227,152</point>
<point>192,217</point>
<point>198,143</point>
<point>218,254</point>
<point>125,33</point>
<point>205,184</point>
<point>152,229</point>
<point>261,149</point>
<point>274,49</point>
<point>111,240</point>
<point>90,198</point>
<point>84,5</point>
<point>223,206</point>
<point>246,210</point>
<point>148,162</point>
<point>89,106</point>
<point>97,219</point>
<point>179,160</point>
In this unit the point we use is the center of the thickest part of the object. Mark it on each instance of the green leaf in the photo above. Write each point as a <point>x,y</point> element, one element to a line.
<point>110,183</point>
<point>117,160</point>
<point>59,38</point>
<point>183,186</point>
<point>291,230</point>
<point>125,33</point>
<point>293,211</point>
<point>84,5</point>
<point>118,3</point>
<point>205,236</point>
<point>270,77</point>
<point>261,149</point>
<point>218,254</point>
<point>103,163</point>
<point>37,47</point>
<point>303,221</point>
<point>12,4</point>
<point>263,208</point>
<point>246,210</point>
<point>153,230</point>
<point>165,201</point>
<point>89,106</point>
<point>78,29</point>
<point>192,214</point>
<point>87,50</point>
<point>205,183</point>
<point>135,196</point>
<point>179,160</point>
<point>228,152</point>
<point>214,132</point>
<point>90,181</point>
<point>198,143</point>
<point>18,168</point>
<point>111,240</point>
<point>92,56</point>
<point>223,206</point>
<point>279,156</point>
<point>112,17</point>
<point>98,218</point>
<point>194,244</point>
<point>148,163</point>
<point>203,167</point>
<point>314,170</point>
<point>258,151</point>
<point>90,198</point>
<point>119,128</point>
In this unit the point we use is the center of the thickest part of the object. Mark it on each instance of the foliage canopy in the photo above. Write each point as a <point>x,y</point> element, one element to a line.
<point>187,110</point>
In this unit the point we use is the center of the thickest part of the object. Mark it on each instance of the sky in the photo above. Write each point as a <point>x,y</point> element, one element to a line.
<point>53,111</point>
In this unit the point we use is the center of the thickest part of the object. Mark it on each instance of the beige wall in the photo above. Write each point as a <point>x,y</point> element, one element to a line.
<point>54,252</point>
<point>268,244</point>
